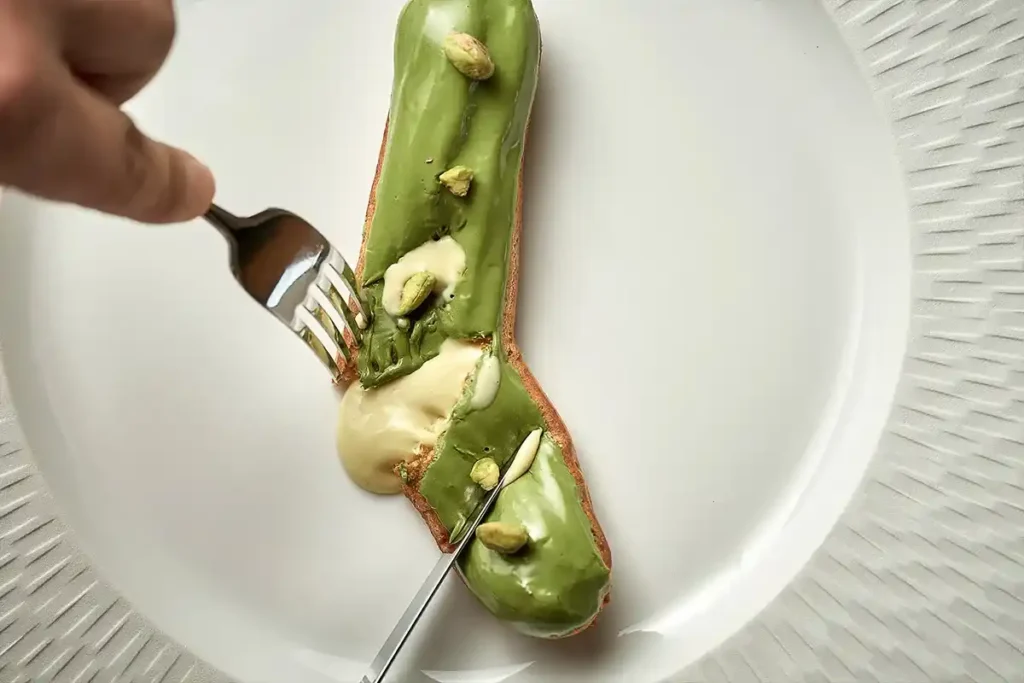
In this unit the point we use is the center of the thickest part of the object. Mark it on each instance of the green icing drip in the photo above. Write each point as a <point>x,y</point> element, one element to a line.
<point>556,585</point>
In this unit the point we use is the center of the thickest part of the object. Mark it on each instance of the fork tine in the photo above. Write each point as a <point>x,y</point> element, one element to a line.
<point>332,313</point>
<point>329,281</point>
<point>318,298</point>
<point>338,319</point>
<point>310,330</point>
<point>342,279</point>
<point>337,263</point>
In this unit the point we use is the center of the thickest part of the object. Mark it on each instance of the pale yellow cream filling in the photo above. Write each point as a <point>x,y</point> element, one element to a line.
<point>443,258</point>
<point>379,428</point>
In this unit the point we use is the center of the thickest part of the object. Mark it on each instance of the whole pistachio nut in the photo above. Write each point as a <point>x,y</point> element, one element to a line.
<point>485,472</point>
<point>502,537</point>
<point>415,291</point>
<point>457,179</point>
<point>469,56</point>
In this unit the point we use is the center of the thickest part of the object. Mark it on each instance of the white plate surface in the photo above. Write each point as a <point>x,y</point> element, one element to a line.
<point>711,182</point>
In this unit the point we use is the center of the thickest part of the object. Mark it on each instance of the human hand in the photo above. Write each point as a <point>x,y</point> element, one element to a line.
<point>66,67</point>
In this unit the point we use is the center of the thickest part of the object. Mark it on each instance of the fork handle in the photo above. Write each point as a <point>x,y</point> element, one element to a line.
<point>225,221</point>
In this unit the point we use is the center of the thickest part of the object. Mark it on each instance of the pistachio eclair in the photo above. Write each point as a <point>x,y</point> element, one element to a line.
<point>440,401</point>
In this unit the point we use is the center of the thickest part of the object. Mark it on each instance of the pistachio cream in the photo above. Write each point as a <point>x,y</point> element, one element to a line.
<point>443,258</point>
<point>486,386</point>
<point>380,428</point>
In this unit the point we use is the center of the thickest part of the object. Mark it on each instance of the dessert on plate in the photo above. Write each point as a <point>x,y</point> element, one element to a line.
<point>439,401</point>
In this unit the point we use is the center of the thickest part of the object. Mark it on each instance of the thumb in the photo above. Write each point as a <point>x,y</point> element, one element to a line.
<point>83,149</point>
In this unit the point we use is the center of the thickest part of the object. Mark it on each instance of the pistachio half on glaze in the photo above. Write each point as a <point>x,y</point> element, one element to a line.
<point>502,537</point>
<point>457,179</point>
<point>485,473</point>
<point>469,56</point>
<point>415,291</point>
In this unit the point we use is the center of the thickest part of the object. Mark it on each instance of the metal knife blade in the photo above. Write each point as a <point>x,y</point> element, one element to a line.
<point>387,654</point>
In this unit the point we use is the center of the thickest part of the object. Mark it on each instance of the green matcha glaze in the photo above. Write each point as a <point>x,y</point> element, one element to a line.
<point>440,119</point>
<point>494,432</point>
<point>388,352</point>
<point>556,584</point>
<point>439,116</point>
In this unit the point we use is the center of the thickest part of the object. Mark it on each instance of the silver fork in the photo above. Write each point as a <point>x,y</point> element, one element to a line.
<point>290,268</point>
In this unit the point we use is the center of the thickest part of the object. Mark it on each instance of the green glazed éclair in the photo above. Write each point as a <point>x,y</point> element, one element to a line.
<point>443,404</point>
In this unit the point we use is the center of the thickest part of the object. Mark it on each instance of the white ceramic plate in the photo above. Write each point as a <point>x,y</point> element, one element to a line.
<point>716,293</point>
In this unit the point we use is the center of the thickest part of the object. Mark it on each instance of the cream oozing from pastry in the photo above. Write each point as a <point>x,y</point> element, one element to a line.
<point>444,258</point>
<point>382,427</point>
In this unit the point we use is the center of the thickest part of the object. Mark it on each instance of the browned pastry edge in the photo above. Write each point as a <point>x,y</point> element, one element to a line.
<point>552,420</point>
